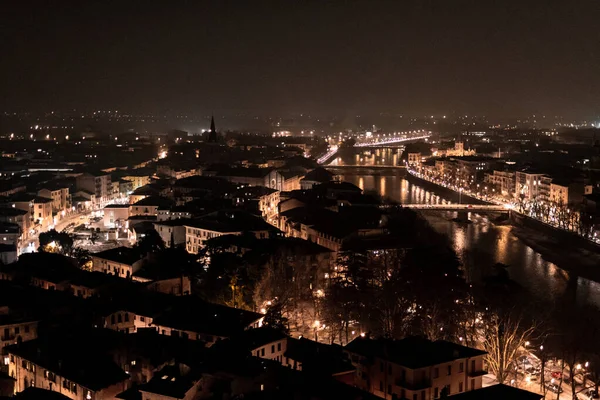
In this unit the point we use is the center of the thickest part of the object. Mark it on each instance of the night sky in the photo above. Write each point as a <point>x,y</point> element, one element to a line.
<point>498,58</point>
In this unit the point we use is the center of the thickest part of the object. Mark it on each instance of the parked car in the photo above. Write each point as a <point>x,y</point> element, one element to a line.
<point>553,387</point>
<point>556,375</point>
<point>533,370</point>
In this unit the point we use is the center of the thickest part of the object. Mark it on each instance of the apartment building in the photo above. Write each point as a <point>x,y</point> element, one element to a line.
<point>269,205</point>
<point>40,208</point>
<point>19,217</point>
<point>76,373</point>
<point>264,342</point>
<point>137,178</point>
<point>222,223</point>
<point>15,328</point>
<point>121,261</point>
<point>415,368</point>
<point>150,205</point>
<point>503,181</point>
<point>10,234</point>
<point>414,159</point>
<point>172,232</point>
<point>469,170</point>
<point>99,184</point>
<point>184,317</point>
<point>532,185</point>
<point>61,199</point>
<point>567,192</point>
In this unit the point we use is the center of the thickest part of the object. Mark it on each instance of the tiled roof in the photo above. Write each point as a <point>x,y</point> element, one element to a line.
<point>412,352</point>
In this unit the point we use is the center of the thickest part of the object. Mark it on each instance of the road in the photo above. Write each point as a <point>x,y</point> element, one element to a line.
<point>531,381</point>
<point>32,243</point>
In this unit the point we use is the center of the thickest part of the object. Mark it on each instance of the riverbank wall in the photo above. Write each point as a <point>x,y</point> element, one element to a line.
<point>566,238</point>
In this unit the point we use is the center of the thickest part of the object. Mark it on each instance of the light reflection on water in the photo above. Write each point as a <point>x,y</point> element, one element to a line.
<point>370,157</point>
<point>481,244</point>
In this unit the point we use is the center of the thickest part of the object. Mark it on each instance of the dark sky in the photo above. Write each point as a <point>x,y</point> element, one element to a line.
<point>500,58</point>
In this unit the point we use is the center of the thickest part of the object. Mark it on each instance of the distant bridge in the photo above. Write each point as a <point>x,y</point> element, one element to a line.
<point>386,141</point>
<point>357,166</point>
<point>458,207</point>
<point>391,140</point>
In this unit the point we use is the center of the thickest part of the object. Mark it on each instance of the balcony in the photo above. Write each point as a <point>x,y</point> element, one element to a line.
<point>417,385</point>
<point>476,373</point>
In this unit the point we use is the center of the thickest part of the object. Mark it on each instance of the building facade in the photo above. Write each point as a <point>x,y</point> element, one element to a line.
<point>415,368</point>
<point>99,184</point>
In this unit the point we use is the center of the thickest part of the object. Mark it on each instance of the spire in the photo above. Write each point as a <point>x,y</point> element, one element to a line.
<point>212,134</point>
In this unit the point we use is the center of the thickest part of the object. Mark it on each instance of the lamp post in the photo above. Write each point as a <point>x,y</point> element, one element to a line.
<point>525,358</point>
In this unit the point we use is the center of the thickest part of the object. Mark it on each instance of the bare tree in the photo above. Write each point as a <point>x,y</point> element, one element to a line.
<point>394,311</point>
<point>504,337</point>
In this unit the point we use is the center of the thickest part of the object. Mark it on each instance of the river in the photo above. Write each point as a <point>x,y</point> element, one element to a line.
<point>480,244</point>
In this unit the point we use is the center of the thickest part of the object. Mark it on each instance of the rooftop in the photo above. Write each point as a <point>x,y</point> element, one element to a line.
<point>23,197</point>
<point>338,186</point>
<point>50,267</point>
<point>170,382</point>
<point>412,352</point>
<point>319,175</point>
<point>326,359</point>
<point>117,206</point>
<point>207,318</point>
<point>145,190</point>
<point>141,227</point>
<point>94,279</point>
<point>497,392</point>
<point>186,313</point>
<point>123,255</point>
<point>243,172</point>
<point>72,359</point>
<point>254,338</point>
<point>175,222</point>
<point>79,199</point>
<point>54,185</point>
<point>34,393</point>
<point>231,221</point>
<point>289,174</point>
<point>159,201</point>
<point>475,158</point>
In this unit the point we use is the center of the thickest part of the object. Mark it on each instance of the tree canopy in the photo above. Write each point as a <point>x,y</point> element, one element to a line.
<point>53,241</point>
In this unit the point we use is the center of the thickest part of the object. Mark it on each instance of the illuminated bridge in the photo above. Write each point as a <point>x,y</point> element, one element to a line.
<point>391,140</point>
<point>376,142</point>
<point>459,207</point>
<point>355,166</point>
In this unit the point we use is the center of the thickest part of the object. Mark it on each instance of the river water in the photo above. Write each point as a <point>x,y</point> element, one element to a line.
<point>479,244</point>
